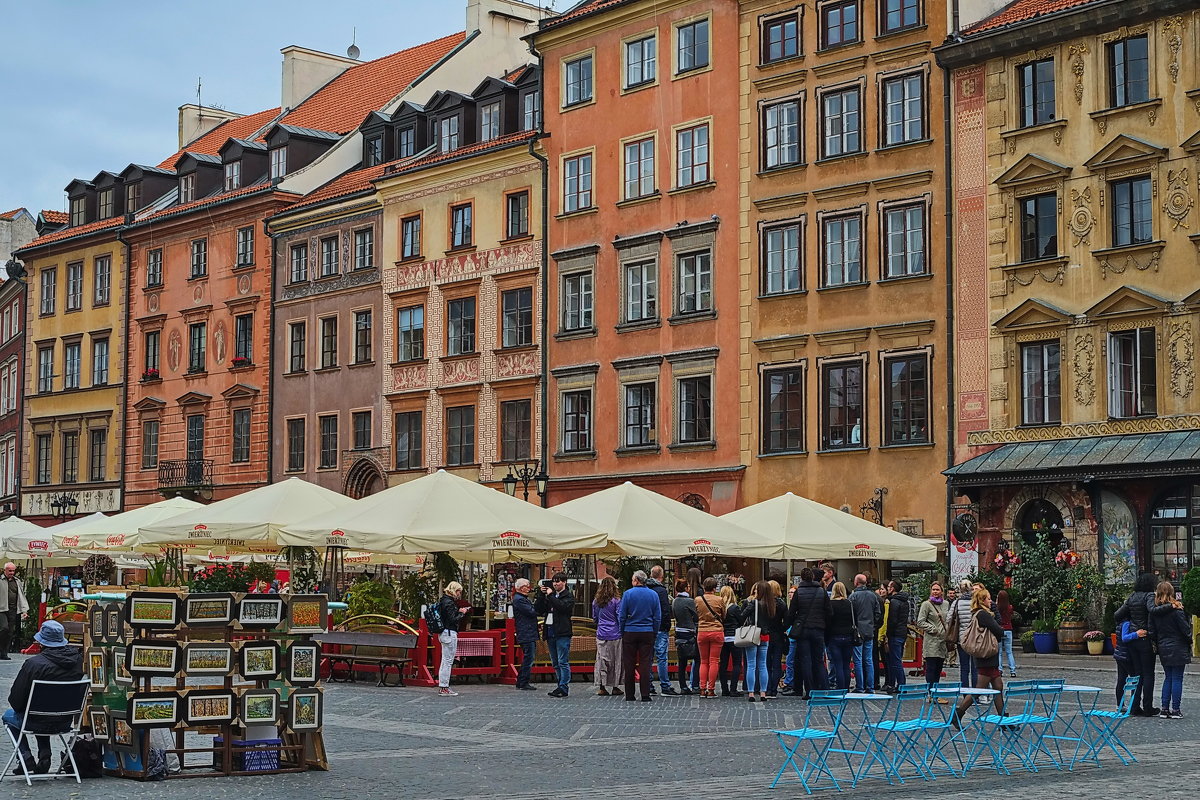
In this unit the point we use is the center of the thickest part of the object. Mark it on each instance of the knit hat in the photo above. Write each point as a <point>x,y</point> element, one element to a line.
<point>51,634</point>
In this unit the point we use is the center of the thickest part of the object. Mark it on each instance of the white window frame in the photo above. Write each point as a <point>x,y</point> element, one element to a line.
<point>640,283</point>
<point>577,182</point>
<point>578,297</point>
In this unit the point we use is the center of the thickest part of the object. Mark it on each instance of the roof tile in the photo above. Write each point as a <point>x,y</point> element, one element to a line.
<point>78,230</point>
<point>1023,11</point>
<point>341,104</point>
<point>347,183</point>
<point>11,214</point>
<point>207,201</point>
<point>470,149</point>
<point>56,217</point>
<point>210,143</point>
<point>582,10</point>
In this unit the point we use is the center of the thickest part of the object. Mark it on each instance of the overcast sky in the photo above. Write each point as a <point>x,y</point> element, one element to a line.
<point>95,84</point>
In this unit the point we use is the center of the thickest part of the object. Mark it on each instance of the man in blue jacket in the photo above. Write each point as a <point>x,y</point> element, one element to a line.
<point>525,620</point>
<point>639,615</point>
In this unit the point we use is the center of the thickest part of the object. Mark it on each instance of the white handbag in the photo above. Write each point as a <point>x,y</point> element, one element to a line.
<point>748,635</point>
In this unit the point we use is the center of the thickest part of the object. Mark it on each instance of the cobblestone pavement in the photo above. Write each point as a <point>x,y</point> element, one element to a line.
<point>494,743</point>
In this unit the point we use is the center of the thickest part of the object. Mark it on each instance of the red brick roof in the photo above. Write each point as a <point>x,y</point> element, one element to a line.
<point>345,184</point>
<point>207,201</point>
<point>56,217</point>
<point>78,230</point>
<point>581,10</point>
<point>11,214</point>
<point>471,149</point>
<point>210,143</point>
<point>1023,11</point>
<point>341,104</point>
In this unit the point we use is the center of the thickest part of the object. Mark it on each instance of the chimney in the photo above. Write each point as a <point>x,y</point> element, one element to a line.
<point>195,121</point>
<point>482,14</point>
<point>305,71</point>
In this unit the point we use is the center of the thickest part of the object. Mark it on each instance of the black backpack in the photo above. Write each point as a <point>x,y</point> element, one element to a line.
<point>89,758</point>
<point>433,619</point>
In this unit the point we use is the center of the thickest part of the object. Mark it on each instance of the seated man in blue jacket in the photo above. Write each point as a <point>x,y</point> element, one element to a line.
<point>639,615</point>
<point>58,661</point>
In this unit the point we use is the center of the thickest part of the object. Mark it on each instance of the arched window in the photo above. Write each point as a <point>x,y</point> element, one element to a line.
<point>1037,517</point>
<point>1175,532</point>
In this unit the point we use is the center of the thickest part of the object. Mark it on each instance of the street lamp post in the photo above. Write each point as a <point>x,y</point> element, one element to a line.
<point>64,505</point>
<point>526,473</point>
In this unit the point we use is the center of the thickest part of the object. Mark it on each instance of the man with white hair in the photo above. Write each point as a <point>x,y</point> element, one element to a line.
<point>639,616</point>
<point>525,621</point>
<point>14,607</point>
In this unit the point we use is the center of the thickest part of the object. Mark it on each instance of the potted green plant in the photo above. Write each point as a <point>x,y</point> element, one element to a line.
<point>1191,604</point>
<point>1095,642</point>
<point>1045,636</point>
<point>1027,642</point>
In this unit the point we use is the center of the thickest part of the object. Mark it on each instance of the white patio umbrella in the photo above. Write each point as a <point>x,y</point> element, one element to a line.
<point>120,531</point>
<point>247,523</point>
<point>805,529</point>
<point>642,522</point>
<point>14,526</point>
<point>443,512</point>
<point>39,542</point>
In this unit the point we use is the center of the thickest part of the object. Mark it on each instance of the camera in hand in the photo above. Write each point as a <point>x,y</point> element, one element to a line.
<point>546,584</point>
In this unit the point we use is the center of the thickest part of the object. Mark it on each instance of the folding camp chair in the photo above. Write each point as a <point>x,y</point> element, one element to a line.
<point>55,708</point>
<point>890,741</point>
<point>1001,734</point>
<point>1100,729</point>
<point>820,741</point>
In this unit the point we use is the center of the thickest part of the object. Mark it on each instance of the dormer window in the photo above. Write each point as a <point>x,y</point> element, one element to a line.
<point>489,121</point>
<point>233,175</point>
<point>531,111</point>
<point>133,197</point>
<point>373,151</point>
<point>278,162</point>
<point>106,203</point>
<point>448,139</point>
<point>187,188</point>
<point>78,211</point>
<point>406,142</point>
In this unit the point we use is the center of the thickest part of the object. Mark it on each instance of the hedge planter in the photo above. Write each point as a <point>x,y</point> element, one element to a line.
<point>1045,642</point>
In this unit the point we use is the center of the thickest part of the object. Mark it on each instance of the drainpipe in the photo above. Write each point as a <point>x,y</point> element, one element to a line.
<point>544,327</point>
<point>271,360</point>
<point>123,421</point>
<point>947,116</point>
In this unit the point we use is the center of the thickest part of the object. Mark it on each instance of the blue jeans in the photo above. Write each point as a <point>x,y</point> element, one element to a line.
<point>528,651</point>
<point>789,674</point>
<point>13,720</point>
<point>1172,689</point>
<point>810,653</point>
<point>662,643</point>
<point>1006,649</point>
<point>864,665</point>
<point>895,661</point>
<point>967,673</point>
<point>560,657</point>
<point>841,649</point>
<point>756,668</point>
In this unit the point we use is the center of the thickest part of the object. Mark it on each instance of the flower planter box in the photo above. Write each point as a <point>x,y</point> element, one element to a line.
<point>1095,648</point>
<point>1045,642</point>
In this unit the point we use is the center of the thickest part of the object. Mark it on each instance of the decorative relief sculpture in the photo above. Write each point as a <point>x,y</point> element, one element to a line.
<point>1119,265</point>
<point>463,371</point>
<point>1076,54</point>
<point>1084,363</point>
<point>512,364</point>
<point>1000,435</point>
<point>1173,32</point>
<point>1181,353</point>
<point>1048,276</point>
<point>1179,201</point>
<point>409,377</point>
<point>174,349</point>
<point>1082,220</point>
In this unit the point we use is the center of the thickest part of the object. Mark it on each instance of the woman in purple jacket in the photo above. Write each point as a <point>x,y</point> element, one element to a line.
<point>605,608</point>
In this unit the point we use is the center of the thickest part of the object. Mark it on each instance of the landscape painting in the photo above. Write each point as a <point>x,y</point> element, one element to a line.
<point>304,664</point>
<point>260,660</point>
<point>157,709</point>
<point>208,609</point>
<point>260,706</point>
<point>208,658</point>
<point>148,657</point>
<point>209,707</point>
<point>304,710</point>
<point>308,613</point>
<point>148,610</point>
<point>260,611</point>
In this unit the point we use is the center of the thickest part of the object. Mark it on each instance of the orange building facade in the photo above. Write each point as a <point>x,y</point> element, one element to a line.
<point>643,270</point>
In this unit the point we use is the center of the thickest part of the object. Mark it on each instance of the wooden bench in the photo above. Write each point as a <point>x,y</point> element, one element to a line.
<point>373,641</point>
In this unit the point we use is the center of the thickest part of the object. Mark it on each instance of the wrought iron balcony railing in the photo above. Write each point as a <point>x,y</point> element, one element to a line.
<point>188,473</point>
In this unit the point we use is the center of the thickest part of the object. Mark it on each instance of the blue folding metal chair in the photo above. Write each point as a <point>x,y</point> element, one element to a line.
<point>1100,729</point>
<point>1035,734</point>
<point>936,731</point>
<point>890,741</point>
<point>1000,735</point>
<point>819,741</point>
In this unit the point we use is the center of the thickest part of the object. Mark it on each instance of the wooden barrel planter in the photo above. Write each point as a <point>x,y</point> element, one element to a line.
<point>1070,637</point>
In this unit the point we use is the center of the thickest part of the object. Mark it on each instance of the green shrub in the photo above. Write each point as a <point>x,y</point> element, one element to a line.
<point>1191,592</point>
<point>1027,638</point>
<point>370,597</point>
<point>221,578</point>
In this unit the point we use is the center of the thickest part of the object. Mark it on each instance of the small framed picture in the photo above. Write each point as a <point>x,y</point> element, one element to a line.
<point>97,664</point>
<point>114,623</point>
<point>154,710</point>
<point>308,613</point>
<point>96,629</point>
<point>214,608</point>
<point>121,674</point>
<point>304,663</point>
<point>260,707</point>
<point>152,657</point>
<point>305,709</point>
<point>208,658</point>
<point>259,659</point>
<point>98,722</point>
<point>152,610</point>
<point>260,611</point>
<point>120,734</point>
<point>203,707</point>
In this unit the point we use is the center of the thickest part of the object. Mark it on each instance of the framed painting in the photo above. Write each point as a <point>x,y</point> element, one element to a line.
<point>121,674</point>
<point>305,709</point>
<point>308,613</point>
<point>260,707</point>
<point>95,619</point>
<point>114,623</point>
<point>215,608</point>
<point>154,710</point>
<point>259,660</point>
<point>208,658</point>
<point>261,611</point>
<point>97,665</point>
<point>304,663</point>
<point>98,722</point>
<point>152,657</point>
<point>152,610</point>
<point>203,707</point>
<point>120,734</point>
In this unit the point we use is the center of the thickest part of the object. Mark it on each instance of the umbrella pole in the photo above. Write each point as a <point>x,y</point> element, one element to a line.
<point>487,597</point>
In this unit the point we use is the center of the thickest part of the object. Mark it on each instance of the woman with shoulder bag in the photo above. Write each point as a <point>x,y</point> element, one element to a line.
<point>931,619</point>
<point>1172,631</point>
<point>711,610</point>
<point>758,609</point>
<point>981,640</point>
<point>842,633</point>
<point>731,655</point>
<point>447,606</point>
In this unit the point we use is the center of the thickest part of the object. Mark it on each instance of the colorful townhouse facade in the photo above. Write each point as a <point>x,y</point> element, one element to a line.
<point>13,294</point>
<point>1077,133</point>
<point>643,244</point>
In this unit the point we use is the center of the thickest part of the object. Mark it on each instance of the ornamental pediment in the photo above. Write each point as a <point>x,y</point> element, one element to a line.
<point>193,398</point>
<point>1032,169</point>
<point>150,404</point>
<point>1033,314</point>
<point>239,391</point>
<point>1128,301</point>
<point>1192,143</point>
<point>1123,151</point>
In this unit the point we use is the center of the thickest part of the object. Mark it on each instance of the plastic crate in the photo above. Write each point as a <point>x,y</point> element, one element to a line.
<point>259,759</point>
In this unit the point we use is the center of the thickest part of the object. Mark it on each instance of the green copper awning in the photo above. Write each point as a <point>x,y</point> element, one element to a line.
<point>1138,455</point>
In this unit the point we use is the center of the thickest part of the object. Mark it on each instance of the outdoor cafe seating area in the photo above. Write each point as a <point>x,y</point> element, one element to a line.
<point>847,739</point>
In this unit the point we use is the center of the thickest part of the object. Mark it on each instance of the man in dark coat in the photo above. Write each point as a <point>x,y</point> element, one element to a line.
<point>58,661</point>
<point>807,615</point>
<point>662,638</point>
<point>558,604</point>
<point>525,621</point>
